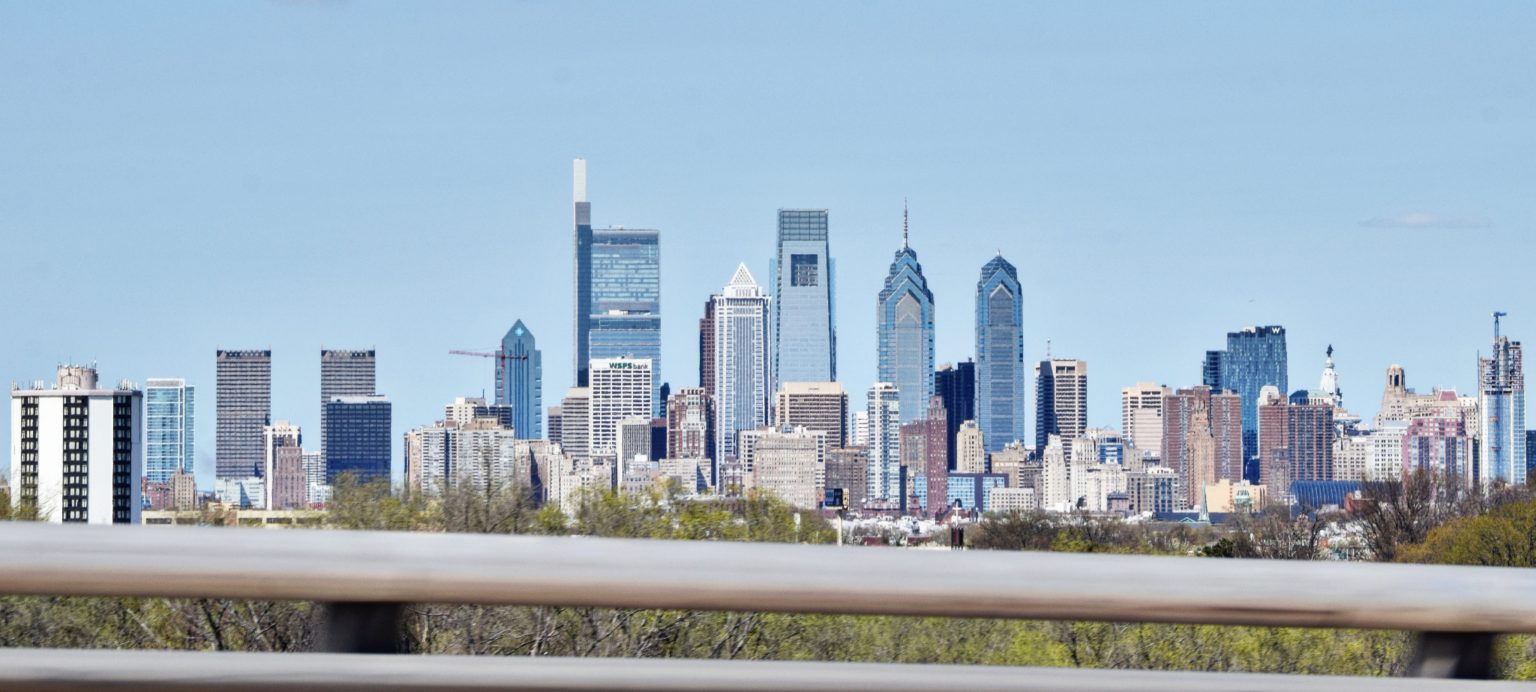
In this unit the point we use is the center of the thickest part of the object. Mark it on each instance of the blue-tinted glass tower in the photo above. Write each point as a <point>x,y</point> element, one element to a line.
<point>168,431</point>
<point>625,319</point>
<point>357,438</point>
<point>583,272</point>
<point>804,333</point>
<point>1000,374</point>
<point>1501,398</point>
<point>1255,357</point>
<point>520,381</point>
<point>905,331</point>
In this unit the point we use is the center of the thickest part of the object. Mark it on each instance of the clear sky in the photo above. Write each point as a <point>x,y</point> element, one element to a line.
<point>180,177</point>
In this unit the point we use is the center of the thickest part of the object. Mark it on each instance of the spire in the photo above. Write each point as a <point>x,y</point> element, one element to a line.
<point>742,277</point>
<point>903,223</point>
<point>579,180</point>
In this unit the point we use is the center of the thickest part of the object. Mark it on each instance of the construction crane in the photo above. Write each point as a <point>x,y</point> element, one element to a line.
<point>501,357</point>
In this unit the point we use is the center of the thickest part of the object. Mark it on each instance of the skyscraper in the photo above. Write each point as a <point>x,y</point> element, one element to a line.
<point>956,386</point>
<point>1501,393</point>
<point>905,330</point>
<point>520,381</point>
<point>884,441</point>
<point>1000,354</point>
<point>621,388</point>
<point>1295,440</point>
<point>582,223</point>
<point>576,423</point>
<point>345,373</point>
<point>1202,437</point>
<point>358,438</point>
<point>77,450</point>
<point>1061,401</point>
<point>168,428</point>
<point>805,336</point>
<point>286,483</point>
<point>743,365</point>
<point>626,298</point>
<point>1255,357</point>
<point>243,406</point>
<point>1141,415</point>
<point>691,425</point>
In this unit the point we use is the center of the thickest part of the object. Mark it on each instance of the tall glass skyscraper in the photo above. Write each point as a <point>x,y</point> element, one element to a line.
<point>883,436</point>
<point>358,431</point>
<point>743,366</point>
<point>625,321</point>
<point>582,223</point>
<point>1501,394</point>
<point>345,373</point>
<point>1000,398</point>
<point>804,333</point>
<point>168,430</point>
<point>243,407</point>
<point>1255,357</point>
<point>905,331</point>
<point>520,381</point>
<point>955,385</point>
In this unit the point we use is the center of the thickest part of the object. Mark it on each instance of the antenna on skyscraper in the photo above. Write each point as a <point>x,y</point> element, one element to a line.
<point>1496,316</point>
<point>903,223</point>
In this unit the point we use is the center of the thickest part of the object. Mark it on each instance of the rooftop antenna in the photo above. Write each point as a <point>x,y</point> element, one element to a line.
<point>1496,317</point>
<point>903,223</point>
<point>1047,349</point>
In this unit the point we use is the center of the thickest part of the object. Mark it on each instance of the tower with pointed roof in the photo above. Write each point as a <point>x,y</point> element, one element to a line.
<point>904,320</point>
<point>1328,386</point>
<point>999,355</point>
<point>742,378</point>
<point>520,381</point>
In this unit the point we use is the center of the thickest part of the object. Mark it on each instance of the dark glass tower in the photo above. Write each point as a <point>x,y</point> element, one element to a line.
<point>583,306</point>
<point>1255,357</point>
<point>955,385</point>
<point>357,430</point>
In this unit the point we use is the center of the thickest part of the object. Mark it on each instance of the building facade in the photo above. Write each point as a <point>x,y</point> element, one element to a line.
<point>1141,415</point>
<point>691,425</point>
<point>743,365</point>
<point>283,467</point>
<point>243,406</point>
<point>804,330</point>
<point>77,449</point>
<point>626,298</point>
<point>956,385</point>
<point>345,373</point>
<point>1000,393</point>
<point>1296,440</point>
<point>1061,401</point>
<point>520,381</point>
<point>904,318</point>
<point>884,443</point>
<point>787,464</point>
<point>821,406</point>
<point>1501,395</point>
<point>169,408</point>
<point>621,388</point>
<point>1255,357</point>
<point>358,438</point>
<point>1202,438</point>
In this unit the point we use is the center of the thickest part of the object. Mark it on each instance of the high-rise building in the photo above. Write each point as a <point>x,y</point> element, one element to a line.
<point>316,490</point>
<point>357,438</point>
<point>848,471</point>
<point>1501,393</point>
<point>858,428</point>
<point>924,454</point>
<point>465,410</point>
<point>707,347</point>
<point>576,423</point>
<point>786,463</point>
<point>691,425</point>
<point>884,437</point>
<point>970,449</point>
<point>1255,357</point>
<point>344,373</point>
<point>1439,446</point>
<point>805,336</point>
<point>1141,415</point>
<point>621,388</point>
<point>956,385</point>
<point>1061,401</point>
<point>1295,440</point>
<point>820,406</point>
<point>77,450</point>
<point>743,366</point>
<point>582,231</point>
<point>283,467</point>
<point>1205,447</point>
<point>520,381</point>
<point>905,329</point>
<point>243,406</point>
<point>169,405</point>
<point>1000,398</point>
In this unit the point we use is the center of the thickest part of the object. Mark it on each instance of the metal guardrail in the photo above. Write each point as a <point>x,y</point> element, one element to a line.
<point>369,574</point>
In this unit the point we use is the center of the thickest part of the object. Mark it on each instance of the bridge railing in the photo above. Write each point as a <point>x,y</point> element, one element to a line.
<point>368,577</point>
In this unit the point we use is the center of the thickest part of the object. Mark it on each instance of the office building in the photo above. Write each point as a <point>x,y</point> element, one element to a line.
<point>741,380</point>
<point>1439,447</point>
<point>1202,438</point>
<point>1255,357</point>
<point>1296,440</point>
<point>77,449</point>
<point>956,386</point>
<point>1501,395</point>
<point>169,406</point>
<point>884,440</point>
<point>1000,397</point>
<point>905,331</point>
<point>848,471</point>
<point>243,406</point>
<point>520,381</point>
<point>633,443</point>
<point>357,438</point>
<point>690,425</point>
<point>785,463</point>
<point>316,490</point>
<point>576,423</point>
<point>805,336</point>
<point>344,373</point>
<point>1061,401</point>
<point>621,388</point>
<point>283,467</point>
<point>821,406</point>
<point>1141,415</point>
<point>466,409</point>
<point>858,428</point>
<point>970,449</point>
<point>582,273</point>
<point>924,454</point>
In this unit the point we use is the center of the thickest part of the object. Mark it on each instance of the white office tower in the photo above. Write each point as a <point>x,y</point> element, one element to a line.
<point>789,464</point>
<point>743,368</point>
<point>970,449</point>
<point>1141,415</point>
<point>884,438</point>
<point>620,388</point>
<point>77,450</point>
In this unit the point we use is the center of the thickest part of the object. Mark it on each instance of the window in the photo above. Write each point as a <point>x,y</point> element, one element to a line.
<point>803,270</point>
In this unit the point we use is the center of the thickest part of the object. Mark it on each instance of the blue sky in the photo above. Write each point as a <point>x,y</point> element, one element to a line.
<point>180,177</point>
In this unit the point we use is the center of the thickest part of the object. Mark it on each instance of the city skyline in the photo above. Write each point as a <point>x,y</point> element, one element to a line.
<point>312,205</point>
